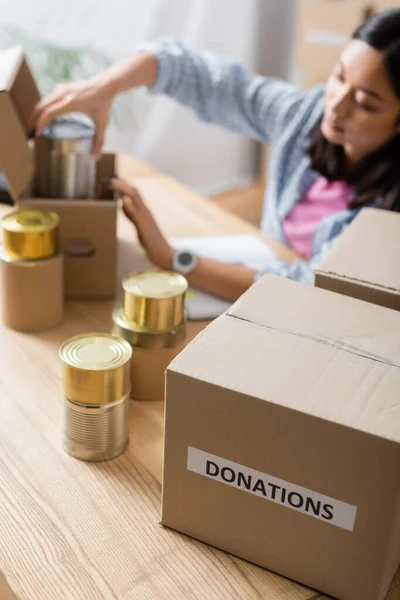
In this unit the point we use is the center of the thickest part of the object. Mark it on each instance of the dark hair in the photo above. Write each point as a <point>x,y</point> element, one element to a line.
<point>379,173</point>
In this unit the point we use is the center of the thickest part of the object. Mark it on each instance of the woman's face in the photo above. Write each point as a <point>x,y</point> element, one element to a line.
<point>362,111</point>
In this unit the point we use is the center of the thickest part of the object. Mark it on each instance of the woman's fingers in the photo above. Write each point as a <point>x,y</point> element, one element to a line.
<point>46,103</point>
<point>125,189</point>
<point>101,121</point>
<point>54,110</point>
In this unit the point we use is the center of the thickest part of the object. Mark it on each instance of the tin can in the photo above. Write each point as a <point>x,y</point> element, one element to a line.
<point>64,164</point>
<point>153,321</point>
<point>31,271</point>
<point>96,384</point>
<point>154,300</point>
<point>30,234</point>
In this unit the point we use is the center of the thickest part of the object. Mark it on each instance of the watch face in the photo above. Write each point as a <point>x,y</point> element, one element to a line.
<point>185,258</point>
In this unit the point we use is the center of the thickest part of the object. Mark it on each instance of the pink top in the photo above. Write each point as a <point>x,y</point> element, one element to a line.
<point>322,199</point>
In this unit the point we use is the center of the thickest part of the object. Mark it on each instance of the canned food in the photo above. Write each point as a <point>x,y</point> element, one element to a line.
<point>30,234</point>
<point>152,353</point>
<point>154,300</point>
<point>64,164</point>
<point>96,385</point>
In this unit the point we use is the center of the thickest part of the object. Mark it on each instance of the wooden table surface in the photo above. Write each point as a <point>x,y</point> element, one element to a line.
<point>71,530</point>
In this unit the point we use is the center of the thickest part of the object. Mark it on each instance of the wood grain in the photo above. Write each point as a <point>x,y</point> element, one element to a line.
<point>393,593</point>
<point>71,530</point>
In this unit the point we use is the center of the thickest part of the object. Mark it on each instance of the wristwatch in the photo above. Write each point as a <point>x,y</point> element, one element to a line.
<point>184,261</point>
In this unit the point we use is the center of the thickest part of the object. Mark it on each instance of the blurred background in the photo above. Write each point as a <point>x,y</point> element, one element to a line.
<point>298,40</point>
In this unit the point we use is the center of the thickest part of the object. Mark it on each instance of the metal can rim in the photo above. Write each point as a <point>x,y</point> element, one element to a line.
<point>8,221</point>
<point>173,294</point>
<point>86,124</point>
<point>120,361</point>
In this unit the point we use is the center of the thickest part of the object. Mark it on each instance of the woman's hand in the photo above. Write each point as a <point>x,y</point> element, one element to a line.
<point>94,96</point>
<point>150,236</point>
<point>91,97</point>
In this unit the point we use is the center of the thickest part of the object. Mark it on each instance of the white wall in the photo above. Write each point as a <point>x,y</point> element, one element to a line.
<point>253,32</point>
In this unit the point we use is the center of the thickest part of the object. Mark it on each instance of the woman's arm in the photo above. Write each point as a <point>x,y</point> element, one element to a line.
<point>222,92</point>
<point>218,90</point>
<point>225,280</point>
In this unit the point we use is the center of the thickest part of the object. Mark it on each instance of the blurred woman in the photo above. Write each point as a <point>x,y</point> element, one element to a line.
<point>333,150</point>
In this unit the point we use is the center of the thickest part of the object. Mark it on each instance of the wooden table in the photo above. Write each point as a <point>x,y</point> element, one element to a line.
<point>71,530</point>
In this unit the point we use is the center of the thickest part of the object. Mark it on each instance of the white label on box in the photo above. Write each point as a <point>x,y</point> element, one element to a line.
<point>326,38</point>
<point>300,499</point>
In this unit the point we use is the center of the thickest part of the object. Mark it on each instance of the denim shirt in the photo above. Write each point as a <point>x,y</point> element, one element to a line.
<point>265,109</point>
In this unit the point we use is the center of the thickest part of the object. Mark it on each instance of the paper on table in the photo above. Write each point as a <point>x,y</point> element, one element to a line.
<point>246,249</point>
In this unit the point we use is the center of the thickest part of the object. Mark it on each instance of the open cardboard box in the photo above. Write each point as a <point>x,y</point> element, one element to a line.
<point>282,437</point>
<point>88,228</point>
<point>364,263</point>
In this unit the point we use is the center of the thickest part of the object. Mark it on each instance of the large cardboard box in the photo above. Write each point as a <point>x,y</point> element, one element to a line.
<point>282,437</point>
<point>88,228</point>
<point>365,262</point>
<point>323,27</point>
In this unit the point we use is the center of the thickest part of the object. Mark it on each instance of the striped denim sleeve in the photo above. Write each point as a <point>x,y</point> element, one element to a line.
<point>222,92</point>
<point>300,270</point>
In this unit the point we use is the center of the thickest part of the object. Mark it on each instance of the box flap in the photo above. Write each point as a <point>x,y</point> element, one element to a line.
<point>10,62</point>
<point>329,318</point>
<point>368,251</point>
<point>307,350</point>
<point>18,97</point>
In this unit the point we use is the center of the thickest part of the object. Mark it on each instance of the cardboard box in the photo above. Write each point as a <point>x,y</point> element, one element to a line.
<point>88,228</point>
<point>364,263</point>
<point>31,297</point>
<point>282,437</point>
<point>323,27</point>
<point>381,5</point>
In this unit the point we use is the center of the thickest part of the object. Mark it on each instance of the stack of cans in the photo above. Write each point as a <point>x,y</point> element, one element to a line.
<point>96,384</point>
<point>152,320</point>
<point>32,279</point>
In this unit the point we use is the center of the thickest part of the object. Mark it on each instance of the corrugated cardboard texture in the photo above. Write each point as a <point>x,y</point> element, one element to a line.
<point>18,96</point>
<point>292,384</point>
<point>296,325</point>
<point>148,368</point>
<point>88,240</point>
<point>32,293</point>
<point>364,263</point>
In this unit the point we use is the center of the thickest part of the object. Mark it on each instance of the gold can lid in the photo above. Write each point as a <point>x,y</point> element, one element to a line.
<point>96,368</point>
<point>30,221</point>
<point>155,284</point>
<point>154,300</point>
<point>95,352</point>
